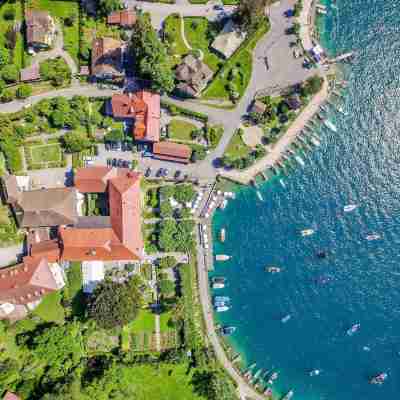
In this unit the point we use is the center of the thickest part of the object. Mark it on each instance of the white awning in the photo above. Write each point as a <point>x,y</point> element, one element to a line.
<point>92,274</point>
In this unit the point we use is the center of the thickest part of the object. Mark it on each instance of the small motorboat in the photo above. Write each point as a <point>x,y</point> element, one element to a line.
<point>379,379</point>
<point>222,257</point>
<point>307,232</point>
<point>288,396</point>
<point>221,308</point>
<point>286,318</point>
<point>227,330</point>
<point>268,392</point>
<point>330,125</point>
<point>272,378</point>
<point>315,372</point>
<point>321,254</point>
<point>222,235</point>
<point>353,329</point>
<point>218,282</point>
<point>300,160</point>
<point>349,207</point>
<point>372,237</point>
<point>259,195</point>
<point>273,270</point>
<point>224,299</point>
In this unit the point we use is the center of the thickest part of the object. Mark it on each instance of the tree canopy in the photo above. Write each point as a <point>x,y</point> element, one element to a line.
<point>151,58</point>
<point>75,141</point>
<point>108,6</point>
<point>115,304</point>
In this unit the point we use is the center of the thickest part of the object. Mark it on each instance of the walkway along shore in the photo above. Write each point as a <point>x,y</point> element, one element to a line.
<point>244,177</point>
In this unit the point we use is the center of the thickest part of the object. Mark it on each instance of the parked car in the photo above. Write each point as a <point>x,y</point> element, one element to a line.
<point>114,162</point>
<point>125,164</point>
<point>166,172</point>
<point>120,162</point>
<point>159,172</point>
<point>148,172</point>
<point>218,7</point>
<point>177,174</point>
<point>107,146</point>
<point>147,154</point>
<point>109,162</point>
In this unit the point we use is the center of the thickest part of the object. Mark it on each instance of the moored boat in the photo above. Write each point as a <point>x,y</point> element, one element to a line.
<point>218,282</point>
<point>307,232</point>
<point>353,329</point>
<point>286,318</point>
<point>379,379</point>
<point>372,237</point>
<point>272,378</point>
<point>349,207</point>
<point>221,308</point>
<point>227,330</point>
<point>330,125</point>
<point>222,235</point>
<point>272,269</point>
<point>222,257</point>
<point>288,396</point>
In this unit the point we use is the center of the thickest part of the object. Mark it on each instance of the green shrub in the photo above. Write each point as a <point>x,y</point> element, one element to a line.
<point>24,91</point>
<point>10,73</point>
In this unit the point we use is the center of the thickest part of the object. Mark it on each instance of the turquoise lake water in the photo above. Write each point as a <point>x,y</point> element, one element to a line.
<point>360,164</point>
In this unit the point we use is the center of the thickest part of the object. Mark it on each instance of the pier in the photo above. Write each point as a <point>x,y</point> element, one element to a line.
<point>344,57</point>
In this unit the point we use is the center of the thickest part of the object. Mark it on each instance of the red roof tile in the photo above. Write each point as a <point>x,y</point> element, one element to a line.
<point>48,249</point>
<point>26,282</point>
<point>126,18</point>
<point>171,151</point>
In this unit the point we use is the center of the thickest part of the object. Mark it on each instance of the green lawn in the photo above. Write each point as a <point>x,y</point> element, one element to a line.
<point>164,318</point>
<point>197,34</point>
<point>160,382</point>
<point>237,148</point>
<point>8,230</point>
<point>5,25</point>
<point>45,153</point>
<point>50,309</point>
<point>180,130</point>
<point>241,61</point>
<point>60,10</point>
<point>75,293</point>
<point>172,29</point>
<point>145,322</point>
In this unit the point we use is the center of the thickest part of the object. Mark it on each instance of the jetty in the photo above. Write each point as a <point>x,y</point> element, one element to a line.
<point>343,57</point>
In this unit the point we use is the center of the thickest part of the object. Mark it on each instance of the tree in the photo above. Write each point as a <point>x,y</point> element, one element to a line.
<point>59,348</point>
<point>313,85</point>
<point>76,141</point>
<point>113,304</point>
<point>166,209</point>
<point>108,6</point>
<point>7,95</point>
<point>10,73</point>
<point>9,14</point>
<point>55,70</point>
<point>151,58</point>
<point>24,91</point>
<point>166,287</point>
<point>251,13</point>
<point>167,262</point>
<point>4,56</point>
<point>57,119</point>
<point>115,135</point>
<point>184,193</point>
<point>166,192</point>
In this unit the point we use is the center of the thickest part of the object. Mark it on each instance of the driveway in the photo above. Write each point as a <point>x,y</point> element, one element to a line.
<point>103,155</point>
<point>160,11</point>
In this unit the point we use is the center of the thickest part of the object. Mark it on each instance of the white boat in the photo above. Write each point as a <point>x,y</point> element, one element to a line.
<point>314,141</point>
<point>286,318</point>
<point>259,196</point>
<point>300,161</point>
<point>353,329</point>
<point>315,372</point>
<point>281,181</point>
<point>372,237</point>
<point>221,308</point>
<point>289,395</point>
<point>379,379</point>
<point>223,204</point>
<point>222,257</point>
<point>218,285</point>
<point>330,125</point>
<point>222,235</point>
<point>307,232</point>
<point>349,207</point>
<point>341,110</point>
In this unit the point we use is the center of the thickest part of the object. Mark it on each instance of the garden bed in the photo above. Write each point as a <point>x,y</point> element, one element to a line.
<point>41,155</point>
<point>181,130</point>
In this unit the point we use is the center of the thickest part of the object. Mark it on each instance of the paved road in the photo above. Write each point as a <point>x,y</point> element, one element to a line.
<point>160,11</point>
<point>245,390</point>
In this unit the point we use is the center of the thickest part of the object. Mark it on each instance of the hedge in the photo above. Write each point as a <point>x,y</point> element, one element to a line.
<point>173,108</point>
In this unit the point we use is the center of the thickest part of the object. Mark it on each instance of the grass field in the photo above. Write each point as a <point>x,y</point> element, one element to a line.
<point>75,293</point>
<point>172,29</point>
<point>241,61</point>
<point>180,130</point>
<point>162,382</point>
<point>45,153</point>
<point>164,318</point>
<point>61,10</point>
<point>197,34</point>
<point>145,322</point>
<point>17,53</point>
<point>50,309</point>
<point>237,148</point>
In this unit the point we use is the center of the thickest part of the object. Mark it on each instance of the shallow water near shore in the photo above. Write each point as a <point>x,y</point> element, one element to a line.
<point>359,280</point>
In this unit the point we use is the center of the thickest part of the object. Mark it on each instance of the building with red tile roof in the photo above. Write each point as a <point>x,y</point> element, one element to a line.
<point>11,396</point>
<point>107,58</point>
<point>144,108</point>
<point>170,151</point>
<point>120,238</point>
<point>123,18</point>
<point>23,286</point>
